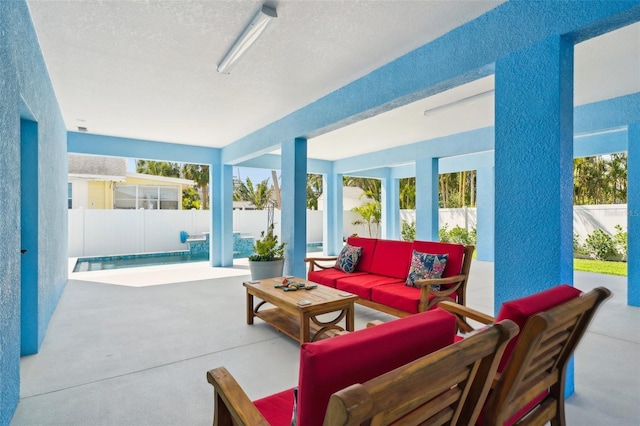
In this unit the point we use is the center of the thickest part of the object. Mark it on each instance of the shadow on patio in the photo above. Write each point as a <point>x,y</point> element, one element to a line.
<point>132,347</point>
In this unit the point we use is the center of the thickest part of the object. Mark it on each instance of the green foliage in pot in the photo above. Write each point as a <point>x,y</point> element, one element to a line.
<point>267,248</point>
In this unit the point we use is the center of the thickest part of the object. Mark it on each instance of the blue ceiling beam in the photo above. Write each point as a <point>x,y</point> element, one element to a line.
<point>429,69</point>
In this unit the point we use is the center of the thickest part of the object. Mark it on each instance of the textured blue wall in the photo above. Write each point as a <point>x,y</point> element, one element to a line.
<point>533,170</point>
<point>23,75</point>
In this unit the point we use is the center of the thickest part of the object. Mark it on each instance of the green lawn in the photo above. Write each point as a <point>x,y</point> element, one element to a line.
<point>600,266</point>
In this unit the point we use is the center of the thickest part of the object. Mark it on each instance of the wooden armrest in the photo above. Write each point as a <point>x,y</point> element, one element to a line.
<point>320,259</point>
<point>374,323</point>
<point>315,262</point>
<point>466,312</point>
<point>232,406</point>
<point>439,281</point>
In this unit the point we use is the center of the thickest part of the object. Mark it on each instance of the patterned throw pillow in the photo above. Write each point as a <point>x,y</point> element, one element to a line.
<point>348,258</point>
<point>425,265</point>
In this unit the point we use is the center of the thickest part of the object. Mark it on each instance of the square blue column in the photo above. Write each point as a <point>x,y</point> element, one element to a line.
<point>221,239</point>
<point>332,215</point>
<point>486,214</point>
<point>534,172</point>
<point>427,199</point>
<point>294,205</point>
<point>633,216</point>
<point>390,200</point>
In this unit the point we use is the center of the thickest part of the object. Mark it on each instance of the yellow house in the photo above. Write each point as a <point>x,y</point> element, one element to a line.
<point>97,182</point>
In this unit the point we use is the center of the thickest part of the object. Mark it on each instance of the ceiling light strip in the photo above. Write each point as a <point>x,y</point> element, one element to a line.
<point>247,38</point>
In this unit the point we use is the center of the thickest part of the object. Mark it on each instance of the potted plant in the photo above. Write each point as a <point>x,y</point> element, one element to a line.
<point>267,261</point>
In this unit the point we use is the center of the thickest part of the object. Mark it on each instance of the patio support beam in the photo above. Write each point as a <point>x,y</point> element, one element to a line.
<point>332,214</point>
<point>294,205</point>
<point>485,209</point>
<point>534,171</point>
<point>221,196</point>
<point>633,216</point>
<point>390,203</point>
<point>480,42</point>
<point>427,199</point>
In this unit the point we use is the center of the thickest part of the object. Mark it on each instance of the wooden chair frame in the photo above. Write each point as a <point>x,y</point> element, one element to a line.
<point>455,284</point>
<point>539,360</point>
<point>418,387</point>
<point>419,392</point>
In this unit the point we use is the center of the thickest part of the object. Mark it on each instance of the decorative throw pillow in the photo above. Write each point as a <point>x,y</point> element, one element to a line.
<point>425,265</point>
<point>348,258</point>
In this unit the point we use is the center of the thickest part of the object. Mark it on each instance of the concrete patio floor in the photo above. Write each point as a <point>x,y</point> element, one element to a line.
<point>131,347</point>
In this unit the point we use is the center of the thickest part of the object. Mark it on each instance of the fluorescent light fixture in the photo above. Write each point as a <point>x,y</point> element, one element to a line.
<point>464,101</point>
<point>248,37</point>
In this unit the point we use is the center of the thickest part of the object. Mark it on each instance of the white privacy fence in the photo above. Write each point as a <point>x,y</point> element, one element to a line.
<point>112,232</point>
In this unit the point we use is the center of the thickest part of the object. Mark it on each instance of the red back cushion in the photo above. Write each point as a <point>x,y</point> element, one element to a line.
<point>368,248</point>
<point>519,310</point>
<point>455,252</point>
<point>333,364</point>
<point>392,259</point>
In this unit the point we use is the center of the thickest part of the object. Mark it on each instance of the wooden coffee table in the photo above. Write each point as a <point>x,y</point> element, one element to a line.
<point>300,322</point>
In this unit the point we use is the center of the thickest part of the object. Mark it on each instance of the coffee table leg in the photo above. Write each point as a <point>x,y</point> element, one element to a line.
<point>249,308</point>
<point>305,327</point>
<point>350,318</point>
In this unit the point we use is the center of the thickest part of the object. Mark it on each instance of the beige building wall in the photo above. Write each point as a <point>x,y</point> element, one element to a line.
<point>100,195</point>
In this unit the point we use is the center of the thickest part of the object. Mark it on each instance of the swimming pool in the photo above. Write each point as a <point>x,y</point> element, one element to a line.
<point>102,263</point>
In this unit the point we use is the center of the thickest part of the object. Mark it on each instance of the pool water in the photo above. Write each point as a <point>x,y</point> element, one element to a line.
<point>102,263</point>
<point>136,260</point>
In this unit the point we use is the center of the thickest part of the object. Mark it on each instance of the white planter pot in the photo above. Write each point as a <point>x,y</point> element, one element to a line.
<point>261,270</point>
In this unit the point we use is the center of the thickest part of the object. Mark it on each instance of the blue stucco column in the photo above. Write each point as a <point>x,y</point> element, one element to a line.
<point>390,200</point>
<point>534,172</point>
<point>485,206</point>
<point>633,215</point>
<point>294,205</point>
<point>332,214</point>
<point>221,241</point>
<point>427,199</point>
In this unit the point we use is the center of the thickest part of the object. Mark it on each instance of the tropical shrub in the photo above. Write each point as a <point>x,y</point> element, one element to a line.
<point>457,235</point>
<point>600,245</point>
<point>408,231</point>
<point>620,242</point>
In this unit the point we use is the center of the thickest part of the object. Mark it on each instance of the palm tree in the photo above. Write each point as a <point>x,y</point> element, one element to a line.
<point>371,214</point>
<point>258,196</point>
<point>314,190</point>
<point>408,193</point>
<point>371,187</point>
<point>158,168</point>
<point>199,173</point>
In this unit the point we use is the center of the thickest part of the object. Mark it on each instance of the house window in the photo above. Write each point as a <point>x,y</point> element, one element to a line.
<point>70,195</point>
<point>146,197</point>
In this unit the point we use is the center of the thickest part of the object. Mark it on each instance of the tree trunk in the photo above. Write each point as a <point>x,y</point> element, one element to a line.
<point>276,189</point>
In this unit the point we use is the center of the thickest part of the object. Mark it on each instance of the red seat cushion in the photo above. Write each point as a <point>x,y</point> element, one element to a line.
<point>277,408</point>
<point>333,364</point>
<point>368,248</point>
<point>362,284</point>
<point>392,259</point>
<point>400,296</point>
<point>519,310</point>
<point>455,252</point>
<point>329,276</point>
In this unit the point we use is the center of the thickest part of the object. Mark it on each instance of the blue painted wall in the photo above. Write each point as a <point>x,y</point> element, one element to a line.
<point>25,90</point>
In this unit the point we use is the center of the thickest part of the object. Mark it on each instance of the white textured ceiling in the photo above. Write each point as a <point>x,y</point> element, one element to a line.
<point>148,69</point>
